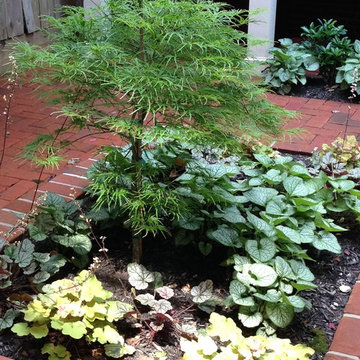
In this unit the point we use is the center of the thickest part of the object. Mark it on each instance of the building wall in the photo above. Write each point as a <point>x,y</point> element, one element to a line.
<point>291,15</point>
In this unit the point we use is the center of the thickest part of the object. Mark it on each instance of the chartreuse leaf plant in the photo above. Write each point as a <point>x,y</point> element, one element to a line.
<point>78,308</point>
<point>223,340</point>
<point>141,69</point>
<point>341,157</point>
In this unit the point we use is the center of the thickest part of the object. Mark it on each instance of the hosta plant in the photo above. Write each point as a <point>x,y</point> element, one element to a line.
<point>139,69</point>
<point>223,340</point>
<point>78,308</point>
<point>264,210</point>
<point>287,66</point>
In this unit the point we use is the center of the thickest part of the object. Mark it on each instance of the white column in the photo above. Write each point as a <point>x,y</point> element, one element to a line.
<point>91,3</point>
<point>263,28</point>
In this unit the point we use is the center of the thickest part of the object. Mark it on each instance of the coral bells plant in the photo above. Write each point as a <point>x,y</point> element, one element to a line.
<point>223,340</point>
<point>77,308</point>
<point>146,70</point>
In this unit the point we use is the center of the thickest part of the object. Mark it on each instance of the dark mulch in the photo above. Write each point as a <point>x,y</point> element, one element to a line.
<point>316,88</point>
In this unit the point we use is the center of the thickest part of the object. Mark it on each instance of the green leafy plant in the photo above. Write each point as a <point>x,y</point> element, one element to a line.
<point>57,352</point>
<point>183,70</point>
<point>341,157</point>
<point>327,43</point>
<point>347,75</point>
<point>287,66</point>
<point>263,211</point>
<point>77,308</point>
<point>223,340</point>
<point>59,224</point>
<point>57,229</point>
<point>322,33</point>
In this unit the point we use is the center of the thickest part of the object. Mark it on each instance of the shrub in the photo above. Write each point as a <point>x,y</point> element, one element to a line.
<point>287,66</point>
<point>326,42</point>
<point>233,345</point>
<point>158,65</point>
<point>77,308</point>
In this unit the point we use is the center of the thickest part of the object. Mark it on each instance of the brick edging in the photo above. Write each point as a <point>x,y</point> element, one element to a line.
<point>346,342</point>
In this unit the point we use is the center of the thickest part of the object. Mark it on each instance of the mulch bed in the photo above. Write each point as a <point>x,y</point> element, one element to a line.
<point>316,88</point>
<point>185,265</point>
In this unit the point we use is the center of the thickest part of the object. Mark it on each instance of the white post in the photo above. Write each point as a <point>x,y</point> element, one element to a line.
<point>263,28</point>
<point>92,3</point>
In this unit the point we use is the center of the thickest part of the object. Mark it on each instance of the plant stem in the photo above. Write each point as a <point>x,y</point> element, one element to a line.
<point>137,158</point>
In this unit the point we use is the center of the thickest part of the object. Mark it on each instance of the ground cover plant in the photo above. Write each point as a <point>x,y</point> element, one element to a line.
<point>265,210</point>
<point>142,69</point>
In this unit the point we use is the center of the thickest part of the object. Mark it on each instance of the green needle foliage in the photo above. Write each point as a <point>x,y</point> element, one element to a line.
<point>142,69</point>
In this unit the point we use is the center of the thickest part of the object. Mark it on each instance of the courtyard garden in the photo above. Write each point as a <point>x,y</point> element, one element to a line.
<point>192,236</point>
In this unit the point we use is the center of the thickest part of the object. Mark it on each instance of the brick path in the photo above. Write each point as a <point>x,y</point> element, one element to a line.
<point>323,120</point>
<point>29,117</point>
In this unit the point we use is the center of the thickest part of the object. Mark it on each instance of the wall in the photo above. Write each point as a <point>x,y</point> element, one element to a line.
<point>18,17</point>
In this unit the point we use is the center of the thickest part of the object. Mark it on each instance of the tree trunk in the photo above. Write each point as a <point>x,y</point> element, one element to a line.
<point>137,159</point>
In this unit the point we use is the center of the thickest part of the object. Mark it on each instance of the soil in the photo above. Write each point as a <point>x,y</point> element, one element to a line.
<point>316,88</point>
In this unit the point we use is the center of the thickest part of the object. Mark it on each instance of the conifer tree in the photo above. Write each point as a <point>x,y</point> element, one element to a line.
<point>149,69</point>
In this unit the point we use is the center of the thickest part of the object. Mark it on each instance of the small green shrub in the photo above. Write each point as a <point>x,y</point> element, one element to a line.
<point>327,43</point>
<point>322,33</point>
<point>347,75</point>
<point>287,66</point>
<point>77,308</point>
<point>223,340</point>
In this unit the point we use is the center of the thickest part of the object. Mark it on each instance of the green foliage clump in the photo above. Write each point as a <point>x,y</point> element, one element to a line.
<point>347,75</point>
<point>234,346</point>
<point>57,229</point>
<point>59,224</point>
<point>264,210</point>
<point>341,157</point>
<point>327,43</point>
<point>287,65</point>
<point>324,47</point>
<point>319,342</point>
<point>141,69</point>
<point>77,308</point>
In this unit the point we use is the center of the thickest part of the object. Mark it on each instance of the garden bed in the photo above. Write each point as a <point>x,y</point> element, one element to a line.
<point>183,266</point>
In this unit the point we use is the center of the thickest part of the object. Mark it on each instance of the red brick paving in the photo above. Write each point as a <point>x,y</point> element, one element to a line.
<point>322,120</point>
